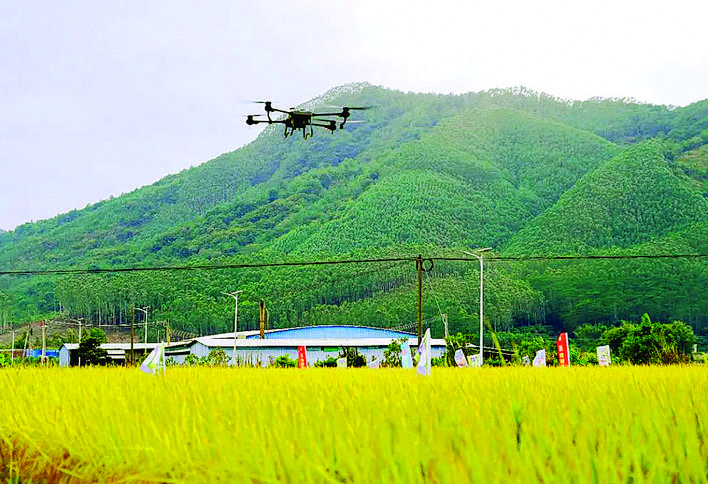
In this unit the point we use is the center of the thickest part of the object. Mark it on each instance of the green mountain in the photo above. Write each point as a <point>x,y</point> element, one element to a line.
<point>521,172</point>
<point>634,198</point>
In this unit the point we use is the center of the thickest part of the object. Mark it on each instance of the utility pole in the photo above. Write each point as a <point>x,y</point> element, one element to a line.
<point>235,296</point>
<point>480,256</point>
<point>28,340</point>
<point>145,310</point>
<point>78,321</point>
<point>262,318</point>
<point>419,269</point>
<point>43,324</point>
<point>132,334</point>
<point>12,358</point>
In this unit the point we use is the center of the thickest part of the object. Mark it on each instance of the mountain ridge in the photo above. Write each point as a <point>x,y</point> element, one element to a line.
<point>519,171</point>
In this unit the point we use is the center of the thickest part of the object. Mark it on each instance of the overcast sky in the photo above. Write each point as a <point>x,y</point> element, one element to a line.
<point>100,98</point>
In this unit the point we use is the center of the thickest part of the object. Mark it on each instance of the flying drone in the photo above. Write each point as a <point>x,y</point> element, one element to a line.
<point>303,120</point>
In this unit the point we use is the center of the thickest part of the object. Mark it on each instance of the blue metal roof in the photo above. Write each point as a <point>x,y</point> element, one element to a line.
<point>332,332</point>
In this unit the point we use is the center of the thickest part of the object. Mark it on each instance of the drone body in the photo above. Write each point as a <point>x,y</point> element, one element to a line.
<point>303,120</point>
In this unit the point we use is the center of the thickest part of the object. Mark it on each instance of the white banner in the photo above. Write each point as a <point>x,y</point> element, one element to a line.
<point>155,361</point>
<point>460,359</point>
<point>406,358</point>
<point>424,364</point>
<point>540,359</point>
<point>475,360</point>
<point>603,355</point>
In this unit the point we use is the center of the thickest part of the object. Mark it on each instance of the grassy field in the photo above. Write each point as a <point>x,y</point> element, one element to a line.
<point>594,425</point>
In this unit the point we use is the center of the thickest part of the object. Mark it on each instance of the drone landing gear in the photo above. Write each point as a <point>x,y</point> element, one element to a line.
<point>289,130</point>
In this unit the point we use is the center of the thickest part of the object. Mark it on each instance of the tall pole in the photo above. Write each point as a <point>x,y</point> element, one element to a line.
<point>235,296</point>
<point>145,310</point>
<point>419,269</point>
<point>132,334</point>
<point>481,310</point>
<point>480,256</point>
<point>262,318</point>
<point>12,358</point>
<point>44,341</point>
<point>78,321</point>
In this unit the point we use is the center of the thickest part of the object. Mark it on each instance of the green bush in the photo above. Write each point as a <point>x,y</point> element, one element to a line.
<point>330,362</point>
<point>284,361</point>
<point>650,342</point>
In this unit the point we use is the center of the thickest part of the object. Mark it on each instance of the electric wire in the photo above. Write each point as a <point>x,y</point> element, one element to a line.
<point>40,272</point>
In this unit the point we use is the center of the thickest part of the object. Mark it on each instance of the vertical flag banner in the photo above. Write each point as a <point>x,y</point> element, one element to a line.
<point>460,359</point>
<point>301,357</point>
<point>424,364</point>
<point>540,358</point>
<point>563,350</point>
<point>406,358</point>
<point>476,360</point>
<point>603,355</point>
<point>155,361</point>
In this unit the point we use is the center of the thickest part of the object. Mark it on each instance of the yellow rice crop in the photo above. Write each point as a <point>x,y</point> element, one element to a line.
<point>594,425</point>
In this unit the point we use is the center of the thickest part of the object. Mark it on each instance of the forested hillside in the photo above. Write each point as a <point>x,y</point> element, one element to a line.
<point>531,176</point>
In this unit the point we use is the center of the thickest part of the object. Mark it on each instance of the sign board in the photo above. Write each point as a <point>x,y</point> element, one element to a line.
<point>460,359</point>
<point>301,357</point>
<point>563,350</point>
<point>540,358</point>
<point>603,355</point>
<point>475,360</point>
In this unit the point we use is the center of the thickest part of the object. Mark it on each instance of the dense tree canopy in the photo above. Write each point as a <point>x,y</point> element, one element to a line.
<point>521,172</point>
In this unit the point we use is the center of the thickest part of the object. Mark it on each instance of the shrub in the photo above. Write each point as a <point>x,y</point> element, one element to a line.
<point>284,361</point>
<point>330,362</point>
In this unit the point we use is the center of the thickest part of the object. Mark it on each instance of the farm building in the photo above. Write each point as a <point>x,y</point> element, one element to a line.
<point>321,342</point>
<point>69,354</point>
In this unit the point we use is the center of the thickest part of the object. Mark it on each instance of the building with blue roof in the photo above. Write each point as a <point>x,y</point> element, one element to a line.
<point>321,343</point>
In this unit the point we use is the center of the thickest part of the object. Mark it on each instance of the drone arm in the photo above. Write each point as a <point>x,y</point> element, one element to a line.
<point>331,125</point>
<point>340,114</point>
<point>251,121</point>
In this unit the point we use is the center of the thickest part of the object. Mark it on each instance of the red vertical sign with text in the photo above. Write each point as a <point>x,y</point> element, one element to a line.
<point>301,357</point>
<point>563,350</point>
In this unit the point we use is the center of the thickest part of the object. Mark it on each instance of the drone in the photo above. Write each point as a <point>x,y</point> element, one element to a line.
<point>303,120</point>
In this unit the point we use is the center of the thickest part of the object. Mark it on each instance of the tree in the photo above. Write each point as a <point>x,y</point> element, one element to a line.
<point>217,357</point>
<point>354,359</point>
<point>392,353</point>
<point>651,342</point>
<point>284,361</point>
<point>91,353</point>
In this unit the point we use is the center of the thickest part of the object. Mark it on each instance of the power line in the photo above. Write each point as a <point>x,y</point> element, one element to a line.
<point>196,267</point>
<point>334,262</point>
<point>580,257</point>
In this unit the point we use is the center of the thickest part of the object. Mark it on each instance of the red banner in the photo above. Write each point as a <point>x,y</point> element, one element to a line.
<point>563,350</point>
<point>301,357</point>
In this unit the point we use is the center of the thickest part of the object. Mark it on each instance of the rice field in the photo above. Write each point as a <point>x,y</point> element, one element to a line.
<point>580,425</point>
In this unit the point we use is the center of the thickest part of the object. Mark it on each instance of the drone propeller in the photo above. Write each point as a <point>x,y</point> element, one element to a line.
<point>333,106</point>
<point>268,105</point>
